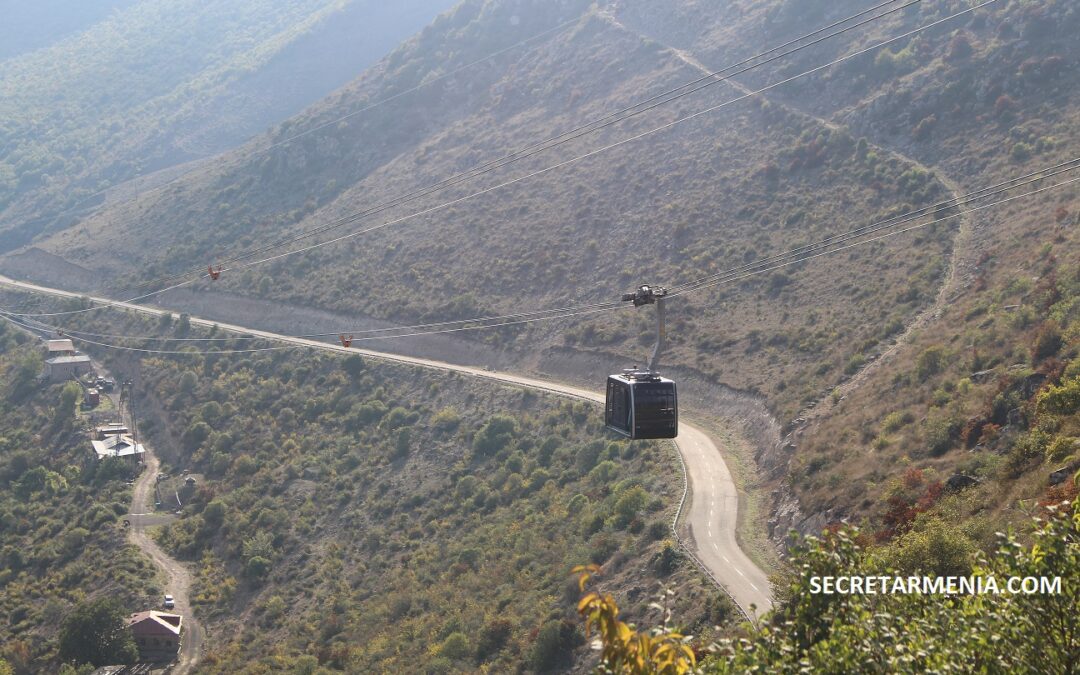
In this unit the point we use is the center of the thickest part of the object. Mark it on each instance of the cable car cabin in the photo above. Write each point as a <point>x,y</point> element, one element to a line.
<point>642,405</point>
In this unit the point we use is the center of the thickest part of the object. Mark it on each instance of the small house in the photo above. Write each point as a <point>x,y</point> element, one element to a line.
<point>92,398</point>
<point>119,445</point>
<point>136,669</point>
<point>112,429</point>
<point>61,368</point>
<point>157,635</point>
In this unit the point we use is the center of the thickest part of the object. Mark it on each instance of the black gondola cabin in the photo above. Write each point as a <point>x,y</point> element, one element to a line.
<point>642,405</point>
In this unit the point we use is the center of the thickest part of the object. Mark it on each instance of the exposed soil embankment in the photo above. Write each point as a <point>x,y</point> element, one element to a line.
<point>42,267</point>
<point>697,395</point>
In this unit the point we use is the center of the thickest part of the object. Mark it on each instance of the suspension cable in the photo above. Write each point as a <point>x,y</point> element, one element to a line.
<point>617,117</point>
<point>893,221</point>
<point>703,283</point>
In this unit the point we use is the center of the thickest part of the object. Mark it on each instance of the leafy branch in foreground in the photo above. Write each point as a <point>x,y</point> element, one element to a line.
<point>660,651</point>
<point>1006,632</point>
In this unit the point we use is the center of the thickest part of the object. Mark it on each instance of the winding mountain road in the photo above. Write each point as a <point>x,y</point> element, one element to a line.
<point>707,521</point>
<point>960,255</point>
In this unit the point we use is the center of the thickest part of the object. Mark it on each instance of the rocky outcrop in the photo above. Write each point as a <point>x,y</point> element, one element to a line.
<point>959,481</point>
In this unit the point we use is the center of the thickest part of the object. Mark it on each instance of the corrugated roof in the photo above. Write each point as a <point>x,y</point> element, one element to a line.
<point>154,622</point>
<point>82,358</point>
<point>117,446</point>
<point>61,346</point>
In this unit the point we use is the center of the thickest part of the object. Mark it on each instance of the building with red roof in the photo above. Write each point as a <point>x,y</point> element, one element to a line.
<point>157,634</point>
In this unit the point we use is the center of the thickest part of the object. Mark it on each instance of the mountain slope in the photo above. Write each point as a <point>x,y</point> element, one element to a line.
<point>158,83</point>
<point>60,513</point>
<point>390,506</point>
<point>981,101</point>
<point>33,25</point>
<point>708,194</point>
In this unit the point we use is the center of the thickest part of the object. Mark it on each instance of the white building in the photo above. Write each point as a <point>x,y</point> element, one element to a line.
<point>119,445</point>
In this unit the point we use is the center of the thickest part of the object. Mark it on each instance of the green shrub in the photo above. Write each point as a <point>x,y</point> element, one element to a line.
<point>853,364</point>
<point>604,472</point>
<point>657,530</point>
<point>353,365</point>
<point>188,382</point>
<point>1048,342</point>
<point>930,362</point>
<point>446,420</point>
<point>588,455</point>
<point>936,548</point>
<point>551,650</point>
<point>1063,399</point>
<point>493,637</point>
<point>494,436</point>
<point>942,430</point>
<point>214,513</point>
<point>629,504</point>
<point>195,435</point>
<point>1027,448</point>
<point>895,420</point>
<point>667,559</point>
<point>257,568</point>
<point>69,398</point>
<point>1061,448</point>
<point>455,646</point>
<point>1021,152</point>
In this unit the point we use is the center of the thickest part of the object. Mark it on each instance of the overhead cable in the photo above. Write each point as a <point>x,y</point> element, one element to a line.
<point>693,287</point>
<point>871,228</point>
<point>711,79</point>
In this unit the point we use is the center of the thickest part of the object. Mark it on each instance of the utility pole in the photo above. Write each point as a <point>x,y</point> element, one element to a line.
<point>134,419</point>
<point>123,399</point>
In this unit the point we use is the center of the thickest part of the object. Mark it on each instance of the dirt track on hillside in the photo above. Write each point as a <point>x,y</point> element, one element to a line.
<point>178,578</point>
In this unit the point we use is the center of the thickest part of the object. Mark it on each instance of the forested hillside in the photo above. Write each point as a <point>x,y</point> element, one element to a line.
<point>370,517</point>
<point>61,538</point>
<point>32,25</point>
<point>992,632</point>
<point>154,84</point>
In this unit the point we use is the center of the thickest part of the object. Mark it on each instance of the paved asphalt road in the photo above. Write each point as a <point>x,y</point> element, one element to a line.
<point>710,515</point>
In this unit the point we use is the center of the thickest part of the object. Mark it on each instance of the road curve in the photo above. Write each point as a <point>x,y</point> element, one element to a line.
<point>709,516</point>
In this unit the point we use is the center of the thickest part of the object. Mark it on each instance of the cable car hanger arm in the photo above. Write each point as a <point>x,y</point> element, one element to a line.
<point>652,295</point>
